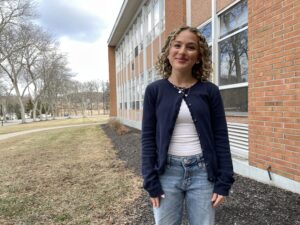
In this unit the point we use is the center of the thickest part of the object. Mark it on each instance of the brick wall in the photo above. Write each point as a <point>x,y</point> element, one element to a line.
<point>274,86</point>
<point>112,81</point>
<point>175,14</point>
<point>201,11</point>
<point>221,4</point>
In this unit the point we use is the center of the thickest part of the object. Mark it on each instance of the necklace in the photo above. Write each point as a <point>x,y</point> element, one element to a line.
<point>182,90</point>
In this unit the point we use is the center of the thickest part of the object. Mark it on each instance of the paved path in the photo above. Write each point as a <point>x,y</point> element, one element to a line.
<point>10,135</point>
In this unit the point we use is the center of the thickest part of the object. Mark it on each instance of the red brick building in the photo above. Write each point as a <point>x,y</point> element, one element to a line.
<point>256,59</point>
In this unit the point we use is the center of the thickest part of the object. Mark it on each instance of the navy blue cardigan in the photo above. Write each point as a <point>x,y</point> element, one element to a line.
<point>162,102</point>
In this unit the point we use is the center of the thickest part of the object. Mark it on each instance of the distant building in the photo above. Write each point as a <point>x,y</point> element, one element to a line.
<point>256,60</point>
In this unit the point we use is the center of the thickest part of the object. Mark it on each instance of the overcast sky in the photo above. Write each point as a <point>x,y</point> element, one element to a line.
<point>82,28</point>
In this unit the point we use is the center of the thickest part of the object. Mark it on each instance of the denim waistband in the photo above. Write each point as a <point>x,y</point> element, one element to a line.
<point>185,160</point>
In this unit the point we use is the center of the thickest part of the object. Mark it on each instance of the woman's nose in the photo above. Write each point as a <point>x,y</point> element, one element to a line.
<point>182,49</point>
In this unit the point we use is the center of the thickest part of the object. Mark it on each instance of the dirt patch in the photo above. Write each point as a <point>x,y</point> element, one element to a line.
<point>250,202</point>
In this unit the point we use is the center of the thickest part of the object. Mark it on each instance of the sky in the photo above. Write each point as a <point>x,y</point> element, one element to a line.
<point>82,28</point>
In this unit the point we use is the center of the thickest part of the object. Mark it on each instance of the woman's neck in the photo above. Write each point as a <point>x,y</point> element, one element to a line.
<point>182,80</point>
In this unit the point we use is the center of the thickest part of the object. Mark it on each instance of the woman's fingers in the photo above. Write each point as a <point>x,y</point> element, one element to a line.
<point>155,202</point>
<point>217,200</point>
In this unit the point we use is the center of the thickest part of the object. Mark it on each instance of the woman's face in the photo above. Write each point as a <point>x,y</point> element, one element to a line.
<point>183,52</point>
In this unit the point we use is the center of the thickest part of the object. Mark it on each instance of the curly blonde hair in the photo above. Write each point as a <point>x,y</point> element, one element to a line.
<point>200,71</point>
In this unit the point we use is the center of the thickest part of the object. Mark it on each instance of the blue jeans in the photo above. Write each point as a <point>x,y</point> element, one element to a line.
<point>185,181</point>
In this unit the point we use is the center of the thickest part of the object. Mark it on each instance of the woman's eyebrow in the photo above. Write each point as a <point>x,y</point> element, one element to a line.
<point>189,43</point>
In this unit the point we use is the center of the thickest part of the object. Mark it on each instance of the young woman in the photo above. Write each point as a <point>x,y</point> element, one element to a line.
<point>185,149</point>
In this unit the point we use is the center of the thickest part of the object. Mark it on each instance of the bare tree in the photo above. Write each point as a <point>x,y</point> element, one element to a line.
<point>105,95</point>
<point>5,92</point>
<point>14,13</point>
<point>98,97</point>
<point>13,65</point>
<point>55,75</point>
<point>34,58</point>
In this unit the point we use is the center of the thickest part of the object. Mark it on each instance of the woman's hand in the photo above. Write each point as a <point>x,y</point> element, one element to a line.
<point>155,201</point>
<point>217,200</point>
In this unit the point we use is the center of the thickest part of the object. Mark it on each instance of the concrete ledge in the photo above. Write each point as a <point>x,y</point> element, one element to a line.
<point>131,123</point>
<point>243,168</point>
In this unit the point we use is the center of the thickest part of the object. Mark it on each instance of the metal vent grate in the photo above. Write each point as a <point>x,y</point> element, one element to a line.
<point>238,137</point>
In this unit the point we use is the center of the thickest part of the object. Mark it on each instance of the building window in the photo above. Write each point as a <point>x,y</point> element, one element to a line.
<point>233,58</point>
<point>234,19</point>
<point>206,32</point>
<point>149,76</point>
<point>137,104</point>
<point>143,86</point>
<point>155,19</point>
<point>136,51</point>
<point>149,27</point>
<point>235,99</point>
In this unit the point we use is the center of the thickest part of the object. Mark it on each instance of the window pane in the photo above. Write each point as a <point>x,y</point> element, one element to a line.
<point>156,19</point>
<point>149,22</point>
<point>206,32</point>
<point>234,59</point>
<point>234,18</point>
<point>235,99</point>
<point>156,13</point>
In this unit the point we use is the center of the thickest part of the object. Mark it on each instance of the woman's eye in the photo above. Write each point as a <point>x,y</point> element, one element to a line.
<point>191,47</point>
<point>176,45</point>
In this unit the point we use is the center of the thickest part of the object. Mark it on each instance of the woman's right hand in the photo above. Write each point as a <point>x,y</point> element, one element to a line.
<point>155,201</point>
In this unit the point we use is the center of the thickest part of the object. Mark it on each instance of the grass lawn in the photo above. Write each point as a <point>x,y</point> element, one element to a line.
<point>64,176</point>
<point>51,123</point>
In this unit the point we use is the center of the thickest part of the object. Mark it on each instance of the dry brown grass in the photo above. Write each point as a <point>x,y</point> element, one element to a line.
<point>65,176</point>
<point>118,126</point>
<point>52,123</point>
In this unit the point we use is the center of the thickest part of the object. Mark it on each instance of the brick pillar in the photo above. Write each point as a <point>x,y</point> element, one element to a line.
<point>274,86</point>
<point>175,14</point>
<point>112,81</point>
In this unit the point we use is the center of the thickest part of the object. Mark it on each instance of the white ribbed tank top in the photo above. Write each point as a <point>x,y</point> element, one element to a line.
<point>185,140</point>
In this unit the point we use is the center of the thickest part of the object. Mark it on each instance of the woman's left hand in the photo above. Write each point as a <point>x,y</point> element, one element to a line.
<point>217,200</point>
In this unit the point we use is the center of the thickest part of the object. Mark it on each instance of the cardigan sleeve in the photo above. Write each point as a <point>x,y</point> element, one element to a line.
<point>224,178</point>
<point>149,152</point>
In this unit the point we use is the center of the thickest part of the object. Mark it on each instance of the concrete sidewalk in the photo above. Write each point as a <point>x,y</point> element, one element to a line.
<point>10,135</point>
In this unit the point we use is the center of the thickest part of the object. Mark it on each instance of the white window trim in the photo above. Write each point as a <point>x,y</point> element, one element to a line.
<point>188,6</point>
<point>231,86</point>
<point>203,25</point>
<point>232,34</point>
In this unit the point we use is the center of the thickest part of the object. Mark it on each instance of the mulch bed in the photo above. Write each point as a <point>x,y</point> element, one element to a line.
<point>250,202</point>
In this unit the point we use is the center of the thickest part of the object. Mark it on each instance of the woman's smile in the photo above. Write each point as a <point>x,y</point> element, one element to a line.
<point>183,52</point>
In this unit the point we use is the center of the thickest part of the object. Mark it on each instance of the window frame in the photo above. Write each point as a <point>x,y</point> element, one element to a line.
<point>218,40</point>
<point>215,40</point>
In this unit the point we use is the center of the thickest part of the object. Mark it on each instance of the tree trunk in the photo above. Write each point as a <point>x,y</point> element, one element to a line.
<point>22,109</point>
<point>4,110</point>
<point>35,104</point>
